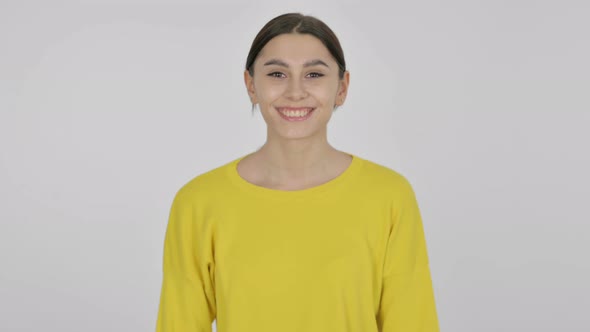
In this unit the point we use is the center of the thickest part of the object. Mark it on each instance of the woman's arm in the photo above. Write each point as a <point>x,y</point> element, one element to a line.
<point>187,300</point>
<point>407,298</point>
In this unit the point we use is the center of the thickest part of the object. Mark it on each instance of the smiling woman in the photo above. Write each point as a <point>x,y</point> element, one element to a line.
<point>296,236</point>
<point>294,78</point>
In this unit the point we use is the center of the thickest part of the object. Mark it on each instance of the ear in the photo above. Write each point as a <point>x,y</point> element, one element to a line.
<point>343,88</point>
<point>249,82</point>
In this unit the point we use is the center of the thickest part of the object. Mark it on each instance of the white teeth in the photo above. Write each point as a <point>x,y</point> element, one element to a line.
<point>295,114</point>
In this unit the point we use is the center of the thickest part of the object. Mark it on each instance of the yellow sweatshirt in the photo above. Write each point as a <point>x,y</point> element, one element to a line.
<point>348,255</point>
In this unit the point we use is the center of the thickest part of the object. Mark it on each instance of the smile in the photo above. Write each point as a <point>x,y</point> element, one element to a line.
<point>295,114</point>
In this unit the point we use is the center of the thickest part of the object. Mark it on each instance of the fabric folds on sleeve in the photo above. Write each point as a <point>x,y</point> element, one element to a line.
<point>187,299</point>
<point>407,297</point>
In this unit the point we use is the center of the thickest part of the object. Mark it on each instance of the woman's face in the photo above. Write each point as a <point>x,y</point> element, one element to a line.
<point>296,71</point>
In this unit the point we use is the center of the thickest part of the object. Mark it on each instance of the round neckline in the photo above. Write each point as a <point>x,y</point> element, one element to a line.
<point>331,185</point>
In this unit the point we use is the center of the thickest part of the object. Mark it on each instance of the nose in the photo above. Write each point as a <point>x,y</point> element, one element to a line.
<point>295,89</point>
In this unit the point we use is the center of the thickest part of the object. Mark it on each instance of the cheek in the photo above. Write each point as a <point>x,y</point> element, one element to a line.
<point>324,95</point>
<point>269,91</point>
<point>323,89</point>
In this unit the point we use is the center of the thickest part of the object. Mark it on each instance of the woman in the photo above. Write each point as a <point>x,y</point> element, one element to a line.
<point>296,236</point>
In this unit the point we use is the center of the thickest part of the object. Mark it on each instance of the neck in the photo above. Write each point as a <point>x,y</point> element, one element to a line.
<point>293,160</point>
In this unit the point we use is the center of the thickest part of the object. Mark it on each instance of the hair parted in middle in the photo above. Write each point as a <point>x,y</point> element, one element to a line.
<point>296,23</point>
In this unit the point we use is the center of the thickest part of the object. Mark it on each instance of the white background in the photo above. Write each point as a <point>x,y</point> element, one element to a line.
<point>108,107</point>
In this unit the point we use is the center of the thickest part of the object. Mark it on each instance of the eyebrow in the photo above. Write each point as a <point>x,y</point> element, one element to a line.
<point>281,63</point>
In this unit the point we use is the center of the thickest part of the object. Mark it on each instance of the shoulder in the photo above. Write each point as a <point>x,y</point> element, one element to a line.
<point>378,173</point>
<point>208,184</point>
<point>384,180</point>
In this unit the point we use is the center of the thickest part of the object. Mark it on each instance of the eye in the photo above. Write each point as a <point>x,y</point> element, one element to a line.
<point>277,74</point>
<point>273,74</point>
<point>318,74</point>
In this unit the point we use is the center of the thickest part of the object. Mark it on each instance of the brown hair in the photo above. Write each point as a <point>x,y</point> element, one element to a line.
<point>296,23</point>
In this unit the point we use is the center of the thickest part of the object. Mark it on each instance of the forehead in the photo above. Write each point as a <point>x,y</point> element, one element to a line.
<point>295,48</point>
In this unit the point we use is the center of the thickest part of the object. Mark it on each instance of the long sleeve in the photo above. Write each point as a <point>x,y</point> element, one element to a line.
<point>187,299</point>
<point>407,298</point>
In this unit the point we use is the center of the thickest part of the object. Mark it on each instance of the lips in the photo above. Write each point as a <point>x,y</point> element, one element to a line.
<point>295,113</point>
<point>294,108</point>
